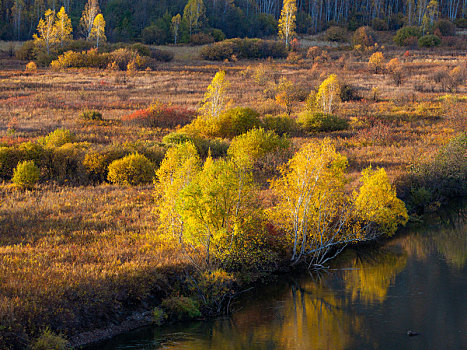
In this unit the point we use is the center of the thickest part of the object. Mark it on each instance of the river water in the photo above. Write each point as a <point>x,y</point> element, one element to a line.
<point>369,299</point>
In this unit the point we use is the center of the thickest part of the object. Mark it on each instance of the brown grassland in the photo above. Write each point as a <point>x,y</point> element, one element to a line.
<point>80,257</point>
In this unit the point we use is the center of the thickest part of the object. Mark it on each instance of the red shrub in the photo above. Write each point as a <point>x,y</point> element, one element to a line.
<point>160,115</point>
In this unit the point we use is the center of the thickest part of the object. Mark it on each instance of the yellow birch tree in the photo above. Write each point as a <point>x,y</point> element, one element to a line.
<point>98,29</point>
<point>46,31</point>
<point>91,9</point>
<point>63,26</point>
<point>287,21</point>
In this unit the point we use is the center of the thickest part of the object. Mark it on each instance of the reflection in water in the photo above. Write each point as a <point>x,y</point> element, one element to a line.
<point>368,301</point>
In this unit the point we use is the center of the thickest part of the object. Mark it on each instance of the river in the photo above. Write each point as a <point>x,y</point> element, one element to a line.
<point>369,299</point>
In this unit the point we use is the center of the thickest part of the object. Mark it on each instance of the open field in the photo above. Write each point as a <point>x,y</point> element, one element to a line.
<point>80,256</point>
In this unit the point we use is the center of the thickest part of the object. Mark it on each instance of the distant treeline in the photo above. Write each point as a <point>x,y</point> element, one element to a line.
<point>150,20</point>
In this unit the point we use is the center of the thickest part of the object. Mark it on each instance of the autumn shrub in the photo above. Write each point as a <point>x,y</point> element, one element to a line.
<point>161,55</point>
<point>180,308</point>
<point>349,92</point>
<point>214,288</point>
<point>376,62</point>
<point>314,52</point>
<point>48,340</point>
<point>236,121</point>
<point>31,67</point>
<point>254,146</point>
<point>404,35</point>
<point>204,146</point>
<point>160,115</point>
<point>9,158</point>
<point>27,51</point>
<point>429,41</point>
<point>91,115</point>
<point>376,202</point>
<point>158,316</point>
<point>446,27</point>
<point>281,124</point>
<point>244,49</point>
<point>436,180</point>
<point>337,34</point>
<point>132,170</point>
<point>379,24</point>
<point>363,36</point>
<point>317,121</point>
<point>57,138</point>
<point>64,164</point>
<point>26,175</point>
<point>85,59</point>
<point>201,38</point>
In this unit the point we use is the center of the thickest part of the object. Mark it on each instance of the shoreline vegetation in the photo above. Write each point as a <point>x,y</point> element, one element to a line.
<point>144,185</point>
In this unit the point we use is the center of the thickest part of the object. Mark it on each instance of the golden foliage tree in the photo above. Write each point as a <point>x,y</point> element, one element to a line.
<point>327,98</point>
<point>193,14</point>
<point>376,62</point>
<point>214,101</point>
<point>175,26</point>
<point>91,9</point>
<point>310,207</point>
<point>287,21</point>
<point>46,31</point>
<point>180,165</point>
<point>63,26</point>
<point>98,29</point>
<point>376,202</point>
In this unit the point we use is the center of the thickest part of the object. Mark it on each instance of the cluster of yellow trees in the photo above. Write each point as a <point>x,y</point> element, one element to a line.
<point>56,28</point>
<point>211,208</point>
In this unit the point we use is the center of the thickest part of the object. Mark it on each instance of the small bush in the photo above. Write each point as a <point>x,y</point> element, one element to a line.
<point>379,24</point>
<point>363,36</point>
<point>57,138</point>
<point>217,34</point>
<point>280,124</point>
<point>244,49</point>
<point>217,148</point>
<point>314,52</point>
<point>316,121</point>
<point>26,174</point>
<point>48,340</point>
<point>160,115</point>
<point>158,316</point>
<point>337,34</point>
<point>446,27</point>
<point>27,51</point>
<point>201,39</point>
<point>31,67</point>
<point>134,169</point>
<point>376,62</point>
<point>91,115</point>
<point>235,121</point>
<point>161,55</point>
<point>405,35</point>
<point>349,92</point>
<point>181,308</point>
<point>429,41</point>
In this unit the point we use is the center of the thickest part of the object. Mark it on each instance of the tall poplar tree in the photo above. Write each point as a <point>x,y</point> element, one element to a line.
<point>63,26</point>
<point>87,18</point>
<point>193,13</point>
<point>287,21</point>
<point>46,32</point>
<point>98,29</point>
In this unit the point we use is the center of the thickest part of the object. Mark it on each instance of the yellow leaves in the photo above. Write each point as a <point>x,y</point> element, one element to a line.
<point>214,99</point>
<point>287,21</point>
<point>327,98</point>
<point>376,202</point>
<point>376,62</point>
<point>98,29</point>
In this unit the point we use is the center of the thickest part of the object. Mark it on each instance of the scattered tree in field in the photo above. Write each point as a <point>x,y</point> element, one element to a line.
<point>311,201</point>
<point>285,95</point>
<point>193,14</point>
<point>327,98</point>
<point>180,165</point>
<point>214,99</point>
<point>98,29</point>
<point>175,26</point>
<point>26,175</point>
<point>212,207</point>
<point>63,26</point>
<point>90,12</point>
<point>46,31</point>
<point>376,202</point>
<point>287,21</point>
<point>376,62</point>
